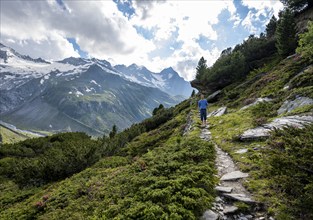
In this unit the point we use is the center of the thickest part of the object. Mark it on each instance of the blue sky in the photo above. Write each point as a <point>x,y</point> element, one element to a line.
<point>156,34</point>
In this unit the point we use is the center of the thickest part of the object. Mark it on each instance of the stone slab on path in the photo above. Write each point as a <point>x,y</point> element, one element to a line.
<point>234,175</point>
<point>205,134</point>
<point>209,215</point>
<point>224,189</point>
<point>239,197</point>
<point>230,209</point>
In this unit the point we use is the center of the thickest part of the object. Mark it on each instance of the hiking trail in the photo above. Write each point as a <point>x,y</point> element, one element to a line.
<point>230,189</point>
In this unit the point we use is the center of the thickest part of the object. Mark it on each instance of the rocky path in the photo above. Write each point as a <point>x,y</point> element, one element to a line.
<point>229,189</point>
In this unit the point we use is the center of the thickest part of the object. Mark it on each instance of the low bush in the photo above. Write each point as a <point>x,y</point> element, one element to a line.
<point>288,166</point>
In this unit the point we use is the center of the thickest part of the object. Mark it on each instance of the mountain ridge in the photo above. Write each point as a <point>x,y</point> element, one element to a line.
<point>86,94</point>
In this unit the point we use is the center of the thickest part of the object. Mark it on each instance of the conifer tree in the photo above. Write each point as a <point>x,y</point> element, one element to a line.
<point>286,33</point>
<point>193,93</point>
<point>271,27</point>
<point>113,132</point>
<point>201,68</point>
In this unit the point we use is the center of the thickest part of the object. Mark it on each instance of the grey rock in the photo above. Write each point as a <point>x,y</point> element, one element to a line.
<point>239,197</point>
<point>243,218</point>
<point>218,199</point>
<point>249,216</point>
<point>288,105</point>
<point>219,112</point>
<point>241,151</point>
<point>234,175</point>
<point>224,189</point>
<point>255,133</point>
<point>209,215</point>
<point>230,209</point>
<point>279,123</point>
<point>257,101</point>
<point>213,97</point>
<point>292,56</point>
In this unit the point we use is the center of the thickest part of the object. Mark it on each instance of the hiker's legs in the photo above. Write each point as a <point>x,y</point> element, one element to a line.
<point>203,116</point>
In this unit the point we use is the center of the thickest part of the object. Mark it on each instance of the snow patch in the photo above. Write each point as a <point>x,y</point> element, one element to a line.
<point>94,82</point>
<point>78,93</point>
<point>88,90</point>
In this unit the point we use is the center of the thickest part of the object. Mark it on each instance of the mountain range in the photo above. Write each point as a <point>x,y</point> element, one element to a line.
<point>78,94</point>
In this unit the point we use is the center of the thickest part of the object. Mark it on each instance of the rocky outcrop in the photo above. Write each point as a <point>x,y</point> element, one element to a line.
<point>257,101</point>
<point>219,112</point>
<point>214,96</point>
<point>288,105</point>
<point>278,123</point>
<point>202,88</point>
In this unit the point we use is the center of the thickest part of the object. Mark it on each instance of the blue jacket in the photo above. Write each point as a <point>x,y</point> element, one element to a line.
<point>203,104</point>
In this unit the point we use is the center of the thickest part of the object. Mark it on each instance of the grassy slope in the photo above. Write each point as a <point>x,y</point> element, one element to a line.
<point>9,136</point>
<point>159,175</point>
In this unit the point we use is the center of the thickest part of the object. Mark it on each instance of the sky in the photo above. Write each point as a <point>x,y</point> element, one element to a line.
<point>154,33</point>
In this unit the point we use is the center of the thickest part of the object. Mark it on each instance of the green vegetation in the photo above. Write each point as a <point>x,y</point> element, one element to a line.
<point>285,33</point>
<point>271,27</point>
<point>38,161</point>
<point>288,166</point>
<point>148,171</point>
<point>305,43</point>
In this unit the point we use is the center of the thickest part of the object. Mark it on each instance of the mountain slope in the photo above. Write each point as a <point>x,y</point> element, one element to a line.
<point>167,80</point>
<point>74,94</point>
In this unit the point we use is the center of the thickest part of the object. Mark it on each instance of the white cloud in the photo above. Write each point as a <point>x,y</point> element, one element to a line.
<point>261,8</point>
<point>248,22</point>
<point>41,29</point>
<point>190,19</point>
<point>274,5</point>
<point>98,27</point>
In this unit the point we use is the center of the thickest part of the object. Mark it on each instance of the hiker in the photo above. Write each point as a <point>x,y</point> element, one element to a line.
<point>202,105</point>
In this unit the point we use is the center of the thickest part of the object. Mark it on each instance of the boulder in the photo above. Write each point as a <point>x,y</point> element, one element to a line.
<point>219,112</point>
<point>288,105</point>
<point>242,151</point>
